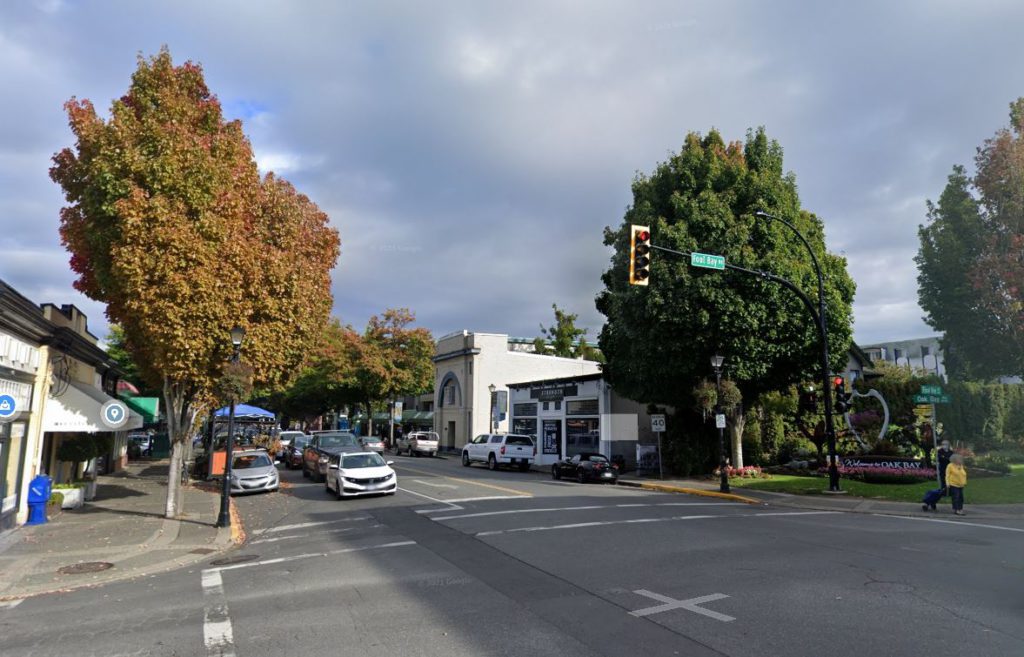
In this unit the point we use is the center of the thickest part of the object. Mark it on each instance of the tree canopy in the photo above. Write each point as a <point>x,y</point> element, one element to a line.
<point>170,225</point>
<point>658,339</point>
<point>564,338</point>
<point>971,260</point>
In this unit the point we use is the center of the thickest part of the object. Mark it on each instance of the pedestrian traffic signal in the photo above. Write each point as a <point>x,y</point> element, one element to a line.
<point>842,398</point>
<point>809,400</point>
<point>639,255</point>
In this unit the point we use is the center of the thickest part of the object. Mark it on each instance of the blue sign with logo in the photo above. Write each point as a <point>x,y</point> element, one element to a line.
<point>8,406</point>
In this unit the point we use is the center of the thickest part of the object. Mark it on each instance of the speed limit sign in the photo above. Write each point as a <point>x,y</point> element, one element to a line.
<point>658,423</point>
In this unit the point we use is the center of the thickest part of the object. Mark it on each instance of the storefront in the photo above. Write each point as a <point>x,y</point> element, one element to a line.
<point>578,414</point>
<point>14,419</point>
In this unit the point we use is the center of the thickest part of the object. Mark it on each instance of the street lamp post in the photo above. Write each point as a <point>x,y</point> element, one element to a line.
<point>830,428</point>
<point>224,518</point>
<point>492,388</point>
<point>723,473</point>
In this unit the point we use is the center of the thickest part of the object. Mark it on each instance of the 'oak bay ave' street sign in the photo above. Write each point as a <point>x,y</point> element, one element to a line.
<point>658,423</point>
<point>931,399</point>
<point>707,261</point>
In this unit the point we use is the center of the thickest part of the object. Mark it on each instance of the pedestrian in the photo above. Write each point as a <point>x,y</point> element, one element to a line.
<point>956,481</point>
<point>943,455</point>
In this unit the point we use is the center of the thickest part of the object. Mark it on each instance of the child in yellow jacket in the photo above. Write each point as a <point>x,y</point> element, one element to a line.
<point>956,480</point>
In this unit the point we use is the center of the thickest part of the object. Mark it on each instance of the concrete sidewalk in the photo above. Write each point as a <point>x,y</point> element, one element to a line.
<point>123,526</point>
<point>826,502</point>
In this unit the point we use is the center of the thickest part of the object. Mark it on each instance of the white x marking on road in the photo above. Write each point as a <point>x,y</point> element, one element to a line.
<point>688,605</point>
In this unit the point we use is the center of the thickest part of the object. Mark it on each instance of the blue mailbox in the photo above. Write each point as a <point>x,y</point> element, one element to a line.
<point>39,490</point>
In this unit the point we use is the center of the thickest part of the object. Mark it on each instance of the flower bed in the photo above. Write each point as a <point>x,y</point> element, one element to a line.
<point>746,472</point>
<point>884,475</point>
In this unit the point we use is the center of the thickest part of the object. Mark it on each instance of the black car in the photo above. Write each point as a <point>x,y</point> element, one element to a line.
<point>293,453</point>
<point>587,466</point>
<point>322,447</point>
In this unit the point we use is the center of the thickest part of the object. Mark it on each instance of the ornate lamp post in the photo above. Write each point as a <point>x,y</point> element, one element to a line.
<point>716,363</point>
<point>224,518</point>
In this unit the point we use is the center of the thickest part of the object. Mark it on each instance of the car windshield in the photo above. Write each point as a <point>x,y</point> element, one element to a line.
<point>424,436</point>
<point>349,461</point>
<point>596,458</point>
<point>337,440</point>
<point>518,440</point>
<point>246,461</point>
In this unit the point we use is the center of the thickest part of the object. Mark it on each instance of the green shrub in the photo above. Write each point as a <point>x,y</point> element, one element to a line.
<point>56,499</point>
<point>67,486</point>
<point>76,450</point>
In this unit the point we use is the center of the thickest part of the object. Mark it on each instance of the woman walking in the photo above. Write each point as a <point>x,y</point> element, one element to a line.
<point>956,481</point>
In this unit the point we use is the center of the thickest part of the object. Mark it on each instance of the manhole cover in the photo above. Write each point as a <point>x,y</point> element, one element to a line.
<point>202,551</point>
<point>241,558</point>
<point>85,567</point>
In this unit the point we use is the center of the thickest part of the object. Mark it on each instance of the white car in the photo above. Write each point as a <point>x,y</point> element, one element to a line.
<point>360,473</point>
<point>497,449</point>
<point>417,443</point>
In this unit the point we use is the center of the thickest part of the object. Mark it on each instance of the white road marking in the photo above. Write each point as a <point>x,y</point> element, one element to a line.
<point>303,525</point>
<point>10,604</point>
<point>488,497</point>
<point>429,483</point>
<point>217,633</point>
<point>275,539</point>
<point>580,508</point>
<point>689,605</point>
<point>951,522</point>
<point>794,513</point>
<point>454,507</point>
<point>580,525</point>
<point>267,562</point>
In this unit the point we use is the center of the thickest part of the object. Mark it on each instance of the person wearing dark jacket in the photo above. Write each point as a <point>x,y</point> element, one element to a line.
<point>943,455</point>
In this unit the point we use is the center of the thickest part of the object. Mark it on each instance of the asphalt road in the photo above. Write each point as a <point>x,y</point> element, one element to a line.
<point>463,561</point>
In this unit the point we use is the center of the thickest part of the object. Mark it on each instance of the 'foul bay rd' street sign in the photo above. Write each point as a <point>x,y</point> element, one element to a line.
<point>931,390</point>
<point>931,399</point>
<point>707,261</point>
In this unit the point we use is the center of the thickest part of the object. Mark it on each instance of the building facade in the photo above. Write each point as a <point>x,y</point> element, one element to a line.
<point>467,364</point>
<point>918,354</point>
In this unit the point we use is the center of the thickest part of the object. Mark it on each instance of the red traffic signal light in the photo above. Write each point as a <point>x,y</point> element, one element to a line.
<point>839,382</point>
<point>639,255</point>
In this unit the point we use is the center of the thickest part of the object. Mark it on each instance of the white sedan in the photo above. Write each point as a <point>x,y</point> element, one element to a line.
<point>360,473</point>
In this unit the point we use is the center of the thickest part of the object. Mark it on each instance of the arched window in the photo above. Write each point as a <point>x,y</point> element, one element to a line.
<point>450,392</point>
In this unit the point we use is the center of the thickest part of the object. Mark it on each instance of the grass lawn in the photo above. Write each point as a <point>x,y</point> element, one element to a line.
<point>988,490</point>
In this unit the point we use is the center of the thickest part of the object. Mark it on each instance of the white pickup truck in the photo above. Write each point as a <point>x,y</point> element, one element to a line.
<point>418,443</point>
<point>497,449</point>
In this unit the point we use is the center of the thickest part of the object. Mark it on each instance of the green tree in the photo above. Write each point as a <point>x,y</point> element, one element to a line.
<point>119,350</point>
<point>564,338</point>
<point>170,224</point>
<point>396,358</point>
<point>658,339</point>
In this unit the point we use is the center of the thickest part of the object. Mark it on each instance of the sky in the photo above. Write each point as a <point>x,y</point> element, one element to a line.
<point>471,154</point>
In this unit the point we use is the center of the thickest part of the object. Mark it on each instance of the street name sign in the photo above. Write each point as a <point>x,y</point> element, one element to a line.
<point>931,399</point>
<point>658,423</point>
<point>707,261</point>
<point>931,390</point>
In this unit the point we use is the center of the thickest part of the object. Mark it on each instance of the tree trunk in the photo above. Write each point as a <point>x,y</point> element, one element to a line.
<point>180,418</point>
<point>369,419</point>
<point>736,433</point>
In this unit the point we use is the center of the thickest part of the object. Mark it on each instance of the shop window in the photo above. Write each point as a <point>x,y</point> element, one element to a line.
<point>525,426</point>
<point>545,406</point>
<point>582,407</point>
<point>525,409</point>
<point>582,435</point>
<point>558,405</point>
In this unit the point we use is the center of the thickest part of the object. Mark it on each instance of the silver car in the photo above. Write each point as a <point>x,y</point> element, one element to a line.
<point>253,471</point>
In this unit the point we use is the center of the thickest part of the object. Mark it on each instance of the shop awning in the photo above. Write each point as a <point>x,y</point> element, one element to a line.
<point>245,412</point>
<point>147,407</point>
<point>77,409</point>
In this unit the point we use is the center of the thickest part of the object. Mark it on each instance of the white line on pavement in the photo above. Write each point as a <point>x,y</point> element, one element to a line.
<point>488,497</point>
<point>794,513</point>
<point>455,507</point>
<point>579,525</point>
<point>951,522</point>
<point>267,562</point>
<point>579,508</point>
<point>429,483</point>
<point>217,633</point>
<point>303,525</point>
<point>275,539</point>
<point>10,604</point>
<point>688,605</point>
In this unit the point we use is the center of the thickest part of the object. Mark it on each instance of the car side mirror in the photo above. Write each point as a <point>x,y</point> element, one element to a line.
<point>390,462</point>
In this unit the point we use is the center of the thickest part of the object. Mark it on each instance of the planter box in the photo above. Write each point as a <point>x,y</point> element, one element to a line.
<point>90,489</point>
<point>73,497</point>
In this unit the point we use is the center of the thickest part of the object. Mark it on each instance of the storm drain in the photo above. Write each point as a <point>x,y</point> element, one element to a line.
<point>85,567</point>
<point>241,558</point>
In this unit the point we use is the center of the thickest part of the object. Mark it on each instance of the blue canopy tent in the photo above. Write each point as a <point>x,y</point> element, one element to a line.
<point>245,412</point>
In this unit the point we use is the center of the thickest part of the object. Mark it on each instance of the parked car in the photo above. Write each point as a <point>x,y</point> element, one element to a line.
<point>286,438</point>
<point>372,444</point>
<point>142,441</point>
<point>418,443</point>
<point>322,447</point>
<point>496,449</point>
<point>293,455</point>
<point>253,471</point>
<point>351,474</point>
<point>587,466</point>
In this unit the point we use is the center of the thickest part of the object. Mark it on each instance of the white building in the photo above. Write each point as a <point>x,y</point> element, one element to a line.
<point>466,364</point>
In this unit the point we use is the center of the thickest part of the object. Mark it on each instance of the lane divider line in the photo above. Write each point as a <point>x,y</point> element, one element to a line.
<point>268,562</point>
<point>951,522</point>
<point>471,482</point>
<point>275,539</point>
<point>484,514</point>
<point>429,483</point>
<point>217,633</point>
<point>303,525</point>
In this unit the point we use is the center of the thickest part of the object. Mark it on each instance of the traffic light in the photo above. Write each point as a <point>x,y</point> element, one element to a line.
<point>639,255</point>
<point>809,400</point>
<point>842,398</point>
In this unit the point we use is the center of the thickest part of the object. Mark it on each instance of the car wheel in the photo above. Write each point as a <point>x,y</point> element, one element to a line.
<point>581,476</point>
<point>465,459</point>
<point>337,491</point>
<point>492,463</point>
<point>555,474</point>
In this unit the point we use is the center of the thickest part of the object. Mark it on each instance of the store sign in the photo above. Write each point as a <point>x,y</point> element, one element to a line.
<point>551,437</point>
<point>553,392</point>
<point>884,462</point>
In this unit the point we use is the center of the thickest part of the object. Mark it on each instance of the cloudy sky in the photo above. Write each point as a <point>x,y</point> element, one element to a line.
<point>471,153</point>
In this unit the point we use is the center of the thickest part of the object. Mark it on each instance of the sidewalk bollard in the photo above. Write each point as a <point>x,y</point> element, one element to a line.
<point>39,490</point>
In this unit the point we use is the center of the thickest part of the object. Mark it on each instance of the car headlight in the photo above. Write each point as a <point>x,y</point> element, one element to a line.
<point>390,476</point>
<point>351,480</point>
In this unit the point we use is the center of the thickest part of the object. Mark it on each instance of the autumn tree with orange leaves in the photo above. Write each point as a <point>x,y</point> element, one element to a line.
<point>170,225</point>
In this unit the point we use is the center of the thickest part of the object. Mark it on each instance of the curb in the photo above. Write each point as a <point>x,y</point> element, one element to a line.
<point>666,488</point>
<point>237,530</point>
